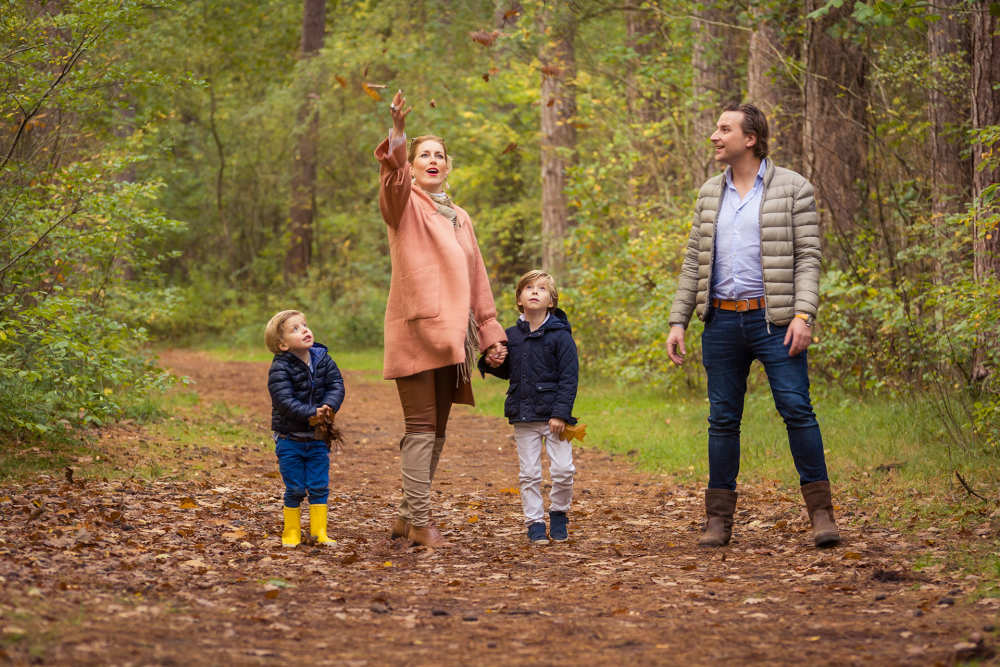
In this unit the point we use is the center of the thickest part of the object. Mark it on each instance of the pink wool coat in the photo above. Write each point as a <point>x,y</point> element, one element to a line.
<point>438,275</point>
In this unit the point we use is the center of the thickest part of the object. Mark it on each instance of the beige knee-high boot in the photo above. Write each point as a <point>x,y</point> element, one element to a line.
<point>436,455</point>
<point>416,455</point>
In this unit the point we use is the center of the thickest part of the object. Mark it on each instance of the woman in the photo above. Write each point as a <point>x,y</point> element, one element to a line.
<point>440,311</point>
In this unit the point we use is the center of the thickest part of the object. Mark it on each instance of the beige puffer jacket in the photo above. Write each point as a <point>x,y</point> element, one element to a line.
<point>789,248</point>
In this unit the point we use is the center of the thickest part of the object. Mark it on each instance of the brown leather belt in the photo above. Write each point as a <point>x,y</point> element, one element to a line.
<point>741,305</point>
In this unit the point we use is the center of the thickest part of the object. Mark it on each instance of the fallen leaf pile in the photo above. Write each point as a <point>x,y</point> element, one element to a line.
<point>187,568</point>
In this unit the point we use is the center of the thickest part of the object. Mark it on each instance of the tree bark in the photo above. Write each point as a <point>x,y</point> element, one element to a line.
<point>645,106</point>
<point>558,141</point>
<point>949,44</point>
<point>835,131</point>
<point>986,171</point>
<point>773,87</point>
<point>985,112</point>
<point>303,183</point>
<point>719,61</point>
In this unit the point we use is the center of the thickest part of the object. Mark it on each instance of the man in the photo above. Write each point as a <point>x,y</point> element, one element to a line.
<point>751,272</point>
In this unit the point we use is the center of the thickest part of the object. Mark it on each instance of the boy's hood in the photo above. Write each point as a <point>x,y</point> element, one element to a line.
<point>557,320</point>
<point>316,354</point>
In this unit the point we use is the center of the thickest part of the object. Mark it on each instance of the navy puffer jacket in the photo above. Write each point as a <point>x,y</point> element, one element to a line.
<point>296,392</point>
<point>542,367</point>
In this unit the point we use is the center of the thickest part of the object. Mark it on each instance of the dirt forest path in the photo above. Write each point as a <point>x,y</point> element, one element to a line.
<point>192,572</point>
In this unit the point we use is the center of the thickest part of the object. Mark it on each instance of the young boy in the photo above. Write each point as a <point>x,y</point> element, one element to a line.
<point>303,382</point>
<point>542,367</point>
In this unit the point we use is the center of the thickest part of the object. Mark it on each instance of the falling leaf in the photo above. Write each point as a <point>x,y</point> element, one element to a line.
<point>486,76</point>
<point>551,101</point>
<point>341,80</point>
<point>433,104</point>
<point>371,92</point>
<point>551,70</point>
<point>511,14</point>
<point>484,38</point>
<point>510,148</point>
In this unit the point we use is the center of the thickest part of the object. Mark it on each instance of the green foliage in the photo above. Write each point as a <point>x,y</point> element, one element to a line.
<point>78,233</point>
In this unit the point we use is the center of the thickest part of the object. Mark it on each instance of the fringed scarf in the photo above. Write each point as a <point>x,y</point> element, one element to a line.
<point>445,207</point>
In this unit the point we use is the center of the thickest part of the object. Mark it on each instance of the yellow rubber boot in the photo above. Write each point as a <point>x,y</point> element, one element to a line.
<point>291,536</point>
<point>317,524</point>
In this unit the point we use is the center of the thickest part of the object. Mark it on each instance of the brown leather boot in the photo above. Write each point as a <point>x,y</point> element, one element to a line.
<point>400,527</point>
<point>428,536</point>
<point>720,504</point>
<point>820,508</point>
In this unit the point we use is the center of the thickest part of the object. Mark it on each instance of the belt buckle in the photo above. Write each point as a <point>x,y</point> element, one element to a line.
<point>743,305</point>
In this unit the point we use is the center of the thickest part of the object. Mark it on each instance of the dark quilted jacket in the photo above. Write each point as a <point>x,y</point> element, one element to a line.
<point>542,367</point>
<point>296,392</point>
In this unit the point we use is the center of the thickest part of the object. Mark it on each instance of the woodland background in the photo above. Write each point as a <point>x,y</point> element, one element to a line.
<point>175,172</point>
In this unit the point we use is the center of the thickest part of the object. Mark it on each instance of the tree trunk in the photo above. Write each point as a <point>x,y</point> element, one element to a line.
<point>303,183</point>
<point>773,88</point>
<point>985,112</point>
<point>835,132</point>
<point>558,141</point>
<point>642,35</point>
<point>719,61</point>
<point>948,111</point>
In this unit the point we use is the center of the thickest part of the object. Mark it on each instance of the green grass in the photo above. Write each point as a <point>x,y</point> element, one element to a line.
<point>668,433</point>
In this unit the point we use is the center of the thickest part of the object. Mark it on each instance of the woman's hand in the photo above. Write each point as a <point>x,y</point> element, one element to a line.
<point>398,109</point>
<point>496,355</point>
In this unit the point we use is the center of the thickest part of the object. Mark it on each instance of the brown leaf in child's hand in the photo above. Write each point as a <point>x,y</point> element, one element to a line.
<point>577,431</point>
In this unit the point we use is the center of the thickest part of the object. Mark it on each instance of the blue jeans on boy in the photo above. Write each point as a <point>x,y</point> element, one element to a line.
<point>730,342</point>
<point>305,469</point>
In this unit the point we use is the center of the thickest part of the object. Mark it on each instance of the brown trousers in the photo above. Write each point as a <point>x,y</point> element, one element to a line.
<point>426,398</point>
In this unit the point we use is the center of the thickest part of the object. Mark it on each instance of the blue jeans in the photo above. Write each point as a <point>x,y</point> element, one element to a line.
<point>305,469</point>
<point>730,342</point>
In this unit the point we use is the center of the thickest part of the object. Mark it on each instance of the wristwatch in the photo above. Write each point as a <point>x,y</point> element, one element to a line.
<point>808,319</point>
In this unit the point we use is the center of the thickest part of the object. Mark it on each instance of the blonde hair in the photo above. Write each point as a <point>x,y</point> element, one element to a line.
<point>273,330</point>
<point>532,276</point>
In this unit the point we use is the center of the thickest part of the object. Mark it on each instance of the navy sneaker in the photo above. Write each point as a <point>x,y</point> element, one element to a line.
<point>536,533</point>
<point>557,526</point>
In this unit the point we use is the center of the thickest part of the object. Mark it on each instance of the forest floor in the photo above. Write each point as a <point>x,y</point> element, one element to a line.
<point>189,569</point>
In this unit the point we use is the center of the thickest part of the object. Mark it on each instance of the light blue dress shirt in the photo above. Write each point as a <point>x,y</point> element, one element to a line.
<point>737,273</point>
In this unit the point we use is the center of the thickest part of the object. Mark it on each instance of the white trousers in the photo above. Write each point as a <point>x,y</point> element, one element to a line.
<point>529,439</point>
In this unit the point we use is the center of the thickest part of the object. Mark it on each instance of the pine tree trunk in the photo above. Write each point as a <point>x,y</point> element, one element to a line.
<point>835,131</point>
<point>303,184</point>
<point>948,41</point>
<point>773,88</point>
<point>719,59</point>
<point>985,112</point>
<point>558,107</point>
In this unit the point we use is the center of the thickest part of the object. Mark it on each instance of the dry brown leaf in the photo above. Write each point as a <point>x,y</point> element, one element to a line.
<point>341,80</point>
<point>484,38</point>
<point>371,92</point>
<point>187,504</point>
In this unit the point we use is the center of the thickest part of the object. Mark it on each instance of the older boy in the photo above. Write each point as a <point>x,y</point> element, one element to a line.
<point>542,367</point>
<point>303,382</point>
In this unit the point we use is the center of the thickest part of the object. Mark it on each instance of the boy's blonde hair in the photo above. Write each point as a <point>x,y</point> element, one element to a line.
<point>273,330</point>
<point>532,276</point>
